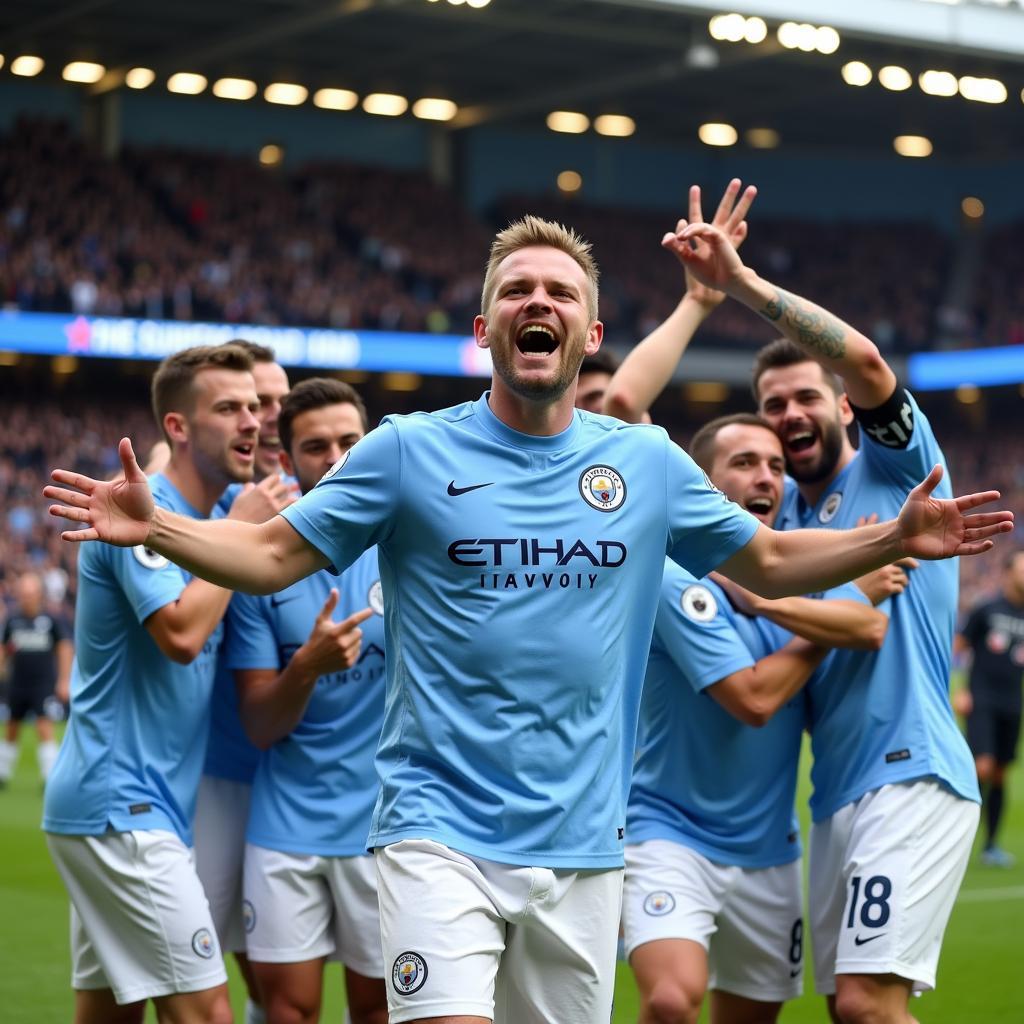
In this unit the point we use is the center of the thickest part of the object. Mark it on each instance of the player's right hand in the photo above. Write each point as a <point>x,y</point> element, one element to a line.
<point>333,646</point>
<point>117,511</point>
<point>256,503</point>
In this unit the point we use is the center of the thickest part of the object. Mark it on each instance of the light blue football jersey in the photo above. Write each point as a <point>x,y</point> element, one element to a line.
<point>315,789</point>
<point>521,578</point>
<point>703,778</point>
<point>229,753</point>
<point>133,750</point>
<point>888,719</point>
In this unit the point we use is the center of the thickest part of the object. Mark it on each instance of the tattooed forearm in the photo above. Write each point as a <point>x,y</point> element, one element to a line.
<point>812,327</point>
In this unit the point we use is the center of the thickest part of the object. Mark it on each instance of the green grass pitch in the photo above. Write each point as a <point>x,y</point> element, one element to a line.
<point>977,976</point>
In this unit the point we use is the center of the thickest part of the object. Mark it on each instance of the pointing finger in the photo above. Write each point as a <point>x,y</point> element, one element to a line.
<point>329,605</point>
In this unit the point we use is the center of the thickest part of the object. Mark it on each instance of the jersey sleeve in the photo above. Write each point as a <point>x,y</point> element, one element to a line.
<point>899,443</point>
<point>353,506</point>
<point>148,580</point>
<point>704,526</point>
<point>250,640</point>
<point>694,628</point>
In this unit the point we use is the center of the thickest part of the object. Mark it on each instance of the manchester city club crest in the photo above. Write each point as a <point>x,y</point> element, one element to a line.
<point>602,488</point>
<point>699,604</point>
<point>148,558</point>
<point>203,944</point>
<point>248,916</point>
<point>658,904</point>
<point>409,973</point>
<point>375,598</point>
<point>336,468</point>
<point>830,507</point>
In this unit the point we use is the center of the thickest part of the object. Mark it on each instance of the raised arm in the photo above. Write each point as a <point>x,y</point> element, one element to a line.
<point>711,257</point>
<point>649,367</point>
<point>259,559</point>
<point>781,564</point>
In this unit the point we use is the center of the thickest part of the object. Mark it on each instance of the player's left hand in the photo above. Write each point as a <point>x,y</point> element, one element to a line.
<point>934,528</point>
<point>744,601</point>
<point>708,254</point>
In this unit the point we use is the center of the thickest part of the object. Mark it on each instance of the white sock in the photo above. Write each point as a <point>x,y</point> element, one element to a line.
<point>46,753</point>
<point>254,1014</point>
<point>346,1019</point>
<point>8,757</point>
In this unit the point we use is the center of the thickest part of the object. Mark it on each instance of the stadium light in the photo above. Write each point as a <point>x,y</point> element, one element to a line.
<point>788,35</point>
<point>968,394</point>
<point>385,104</point>
<point>64,364</point>
<point>234,88</point>
<point>894,78</point>
<point>717,134</point>
<point>938,83</point>
<point>400,380</point>
<point>755,30</point>
<point>806,38</point>
<point>709,391</point>
<point>616,125</point>
<point>477,4</point>
<point>973,207</point>
<point>568,121</point>
<point>982,90</point>
<point>186,82</point>
<point>83,71</point>
<point>762,138</point>
<point>1,60</point>
<point>912,145</point>
<point>335,99</point>
<point>139,78</point>
<point>271,155</point>
<point>727,28</point>
<point>287,94</point>
<point>826,39</point>
<point>27,66</point>
<point>856,72</point>
<point>433,109</point>
<point>569,181</point>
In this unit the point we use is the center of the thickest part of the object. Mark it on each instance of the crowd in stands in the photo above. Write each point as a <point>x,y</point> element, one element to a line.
<point>199,236</point>
<point>35,437</point>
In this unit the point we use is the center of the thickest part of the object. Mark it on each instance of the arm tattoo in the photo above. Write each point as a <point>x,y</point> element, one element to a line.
<point>816,330</point>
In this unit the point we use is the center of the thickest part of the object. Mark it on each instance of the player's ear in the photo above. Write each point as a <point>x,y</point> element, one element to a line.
<point>480,331</point>
<point>286,462</point>
<point>845,412</point>
<point>595,334</point>
<point>176,427</point>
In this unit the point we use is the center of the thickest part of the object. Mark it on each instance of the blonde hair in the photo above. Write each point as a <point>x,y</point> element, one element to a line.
<point>530,231</point>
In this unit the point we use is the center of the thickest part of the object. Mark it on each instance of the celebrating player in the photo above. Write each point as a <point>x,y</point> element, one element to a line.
<point>994,633</point>
<point>315,702</point>
<point>519,543</point>
<point>119,804</point>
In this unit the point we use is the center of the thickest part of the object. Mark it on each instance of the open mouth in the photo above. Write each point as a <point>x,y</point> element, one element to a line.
<point>536,340</point>
<point>270,441</point>
<point>759,506</point>
<point>246,450</point>
<point>801,440</point>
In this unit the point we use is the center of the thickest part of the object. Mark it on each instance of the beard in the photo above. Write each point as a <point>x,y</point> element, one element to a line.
<point>539,389</point>
<point>831,450</point>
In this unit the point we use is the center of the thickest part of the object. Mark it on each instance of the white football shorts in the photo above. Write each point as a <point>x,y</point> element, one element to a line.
<point>301,907</point>
<point>140,922</point>
<point>519,945</point>
<point>750,920</point>
<point>222,815</point>
<point>885,871</point>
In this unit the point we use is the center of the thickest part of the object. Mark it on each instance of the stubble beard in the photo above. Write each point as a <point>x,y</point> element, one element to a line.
<point>831,450</point>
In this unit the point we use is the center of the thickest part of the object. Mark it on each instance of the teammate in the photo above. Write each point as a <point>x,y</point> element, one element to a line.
<point>595,374</point>
<point>38,652</point>
<point>518,542</point>
<point>119,804</point>
<point>222,803</point>
<point>315,702</point>
<point>994,632</point>
<point>895,798</point>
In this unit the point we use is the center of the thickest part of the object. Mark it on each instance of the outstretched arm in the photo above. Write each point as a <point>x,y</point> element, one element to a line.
<point>711,258</point>
<point>257,558</point>
<point>777,564</point>
<point>649,367</point>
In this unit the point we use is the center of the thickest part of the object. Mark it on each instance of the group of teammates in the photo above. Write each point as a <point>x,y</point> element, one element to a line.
<point>518,543</point>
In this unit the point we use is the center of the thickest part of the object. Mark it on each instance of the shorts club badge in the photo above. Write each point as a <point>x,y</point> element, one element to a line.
<point>409,973</point>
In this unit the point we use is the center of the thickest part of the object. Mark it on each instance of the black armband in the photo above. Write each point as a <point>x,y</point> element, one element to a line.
<point>890,424</point>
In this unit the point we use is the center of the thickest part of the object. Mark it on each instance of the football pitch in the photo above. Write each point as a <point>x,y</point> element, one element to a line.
<point>977,976</point>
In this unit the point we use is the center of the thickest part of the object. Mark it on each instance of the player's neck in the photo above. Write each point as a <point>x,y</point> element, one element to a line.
<point>200,493</point>
<point>541,419</point>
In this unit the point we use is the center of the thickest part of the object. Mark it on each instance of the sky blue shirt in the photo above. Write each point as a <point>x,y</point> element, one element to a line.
<point>703,778</point>
<point>133,750</point>
<point>888,719</point>
<point>315,789</point>
<point>520,578</point>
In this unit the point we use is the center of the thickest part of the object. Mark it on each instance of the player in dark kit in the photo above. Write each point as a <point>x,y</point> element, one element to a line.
<point>37,648</point>
<point>994,632</point>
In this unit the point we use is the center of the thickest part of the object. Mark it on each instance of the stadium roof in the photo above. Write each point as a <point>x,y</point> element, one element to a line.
<point>513,61</point>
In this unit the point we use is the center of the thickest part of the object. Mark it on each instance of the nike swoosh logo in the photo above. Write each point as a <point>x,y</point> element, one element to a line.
<point>796,970</point>
<point>276,600</point>
<point>456,491</point>
<point>858,941</point>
